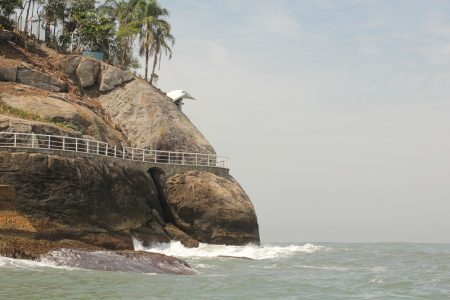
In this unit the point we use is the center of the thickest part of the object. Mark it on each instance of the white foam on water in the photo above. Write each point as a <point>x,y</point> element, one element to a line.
<point>12,263</point>
<point>326,268</point>
<point>208,251</point>
<point>377,280</point>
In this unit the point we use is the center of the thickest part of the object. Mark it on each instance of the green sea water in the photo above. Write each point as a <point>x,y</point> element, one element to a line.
<point>272,271</point>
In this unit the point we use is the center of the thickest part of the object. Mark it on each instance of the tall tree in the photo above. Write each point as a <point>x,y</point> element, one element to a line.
<point>155,37</point>
<point>127,19</point>
<point>6,10</point>
<point>163,41</point>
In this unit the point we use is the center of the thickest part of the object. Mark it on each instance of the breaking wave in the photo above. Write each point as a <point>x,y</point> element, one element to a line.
<point>13,263</point>
<point>208,251</point>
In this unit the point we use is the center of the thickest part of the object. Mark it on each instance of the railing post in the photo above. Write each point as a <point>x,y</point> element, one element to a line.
<point>123,152</point>
<point>98,148</point>
<point>32,140</point>
<point>115,151</point>
<point>76,145</point>
<point>107,149</point>
<point>156,155</point>
<point>87,146</point>
<point>196,159</point>
<point>64,143</point>
<point>182,158</point>
<point>208,160</point>
<point>49,142</point>
<point>143,155</point>
<point>169,157</point>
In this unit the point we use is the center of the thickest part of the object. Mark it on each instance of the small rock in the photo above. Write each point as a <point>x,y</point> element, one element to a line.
<point>27,65</point>
<point>60,96</point>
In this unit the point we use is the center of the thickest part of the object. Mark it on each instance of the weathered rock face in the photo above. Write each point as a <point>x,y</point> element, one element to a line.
<point>78,117</point>
<point>111,77</point>
<point>212,209</point>
<point>70,63</point>
<point>87,72</point>
<point>90,71</point>
<point>82,198</point>
<point>151,120</point>
<point>8,74</point>
<point>33,78</point>
<point>12,124</point>
<point>123,261</point>
<point>40,80</point>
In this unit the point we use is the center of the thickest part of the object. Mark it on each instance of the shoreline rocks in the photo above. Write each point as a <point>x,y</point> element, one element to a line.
<point>212,209</point>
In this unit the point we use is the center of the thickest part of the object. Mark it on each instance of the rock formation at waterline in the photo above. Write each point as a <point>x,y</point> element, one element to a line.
<point>211,208</point>
<point>88,202</point>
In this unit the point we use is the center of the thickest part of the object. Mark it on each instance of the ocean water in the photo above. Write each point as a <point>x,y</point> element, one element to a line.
<point>271,271</point>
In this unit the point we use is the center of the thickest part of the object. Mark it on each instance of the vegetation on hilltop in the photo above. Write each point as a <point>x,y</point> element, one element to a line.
<point>112,27</point>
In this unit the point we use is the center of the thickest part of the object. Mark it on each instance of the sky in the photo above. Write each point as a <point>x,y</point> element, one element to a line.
<point>335,114</point>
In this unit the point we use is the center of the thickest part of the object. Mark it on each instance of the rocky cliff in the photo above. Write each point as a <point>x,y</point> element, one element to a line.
<point>85,202</point>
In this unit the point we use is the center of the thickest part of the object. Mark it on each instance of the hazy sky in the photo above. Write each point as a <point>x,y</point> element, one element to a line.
<point>335,114</point>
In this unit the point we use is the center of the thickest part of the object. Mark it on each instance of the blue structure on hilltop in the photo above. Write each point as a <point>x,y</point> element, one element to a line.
<point>96,55</point>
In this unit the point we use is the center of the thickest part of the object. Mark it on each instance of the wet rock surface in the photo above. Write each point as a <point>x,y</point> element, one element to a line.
<point>212,209</point>
<point>101,203</point>
<point>124,261</point>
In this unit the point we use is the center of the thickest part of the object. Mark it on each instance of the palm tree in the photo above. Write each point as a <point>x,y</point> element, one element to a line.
<point>155,37</point>
<point>162,39</point>
<point>126,14</point>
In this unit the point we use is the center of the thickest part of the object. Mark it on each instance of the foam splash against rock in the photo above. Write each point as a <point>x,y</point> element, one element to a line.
<point>211,251</point>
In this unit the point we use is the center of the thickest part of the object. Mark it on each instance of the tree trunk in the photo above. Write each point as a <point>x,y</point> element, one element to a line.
<point>47,33</point>
<point>32,15</point>
<point>146,63</point>
<point>55,46</point>
<point>155,61</point>
<point>26,17</point>
<point>19,22</point>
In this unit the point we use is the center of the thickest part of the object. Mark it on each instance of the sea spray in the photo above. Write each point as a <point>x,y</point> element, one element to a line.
<point>210,251</point>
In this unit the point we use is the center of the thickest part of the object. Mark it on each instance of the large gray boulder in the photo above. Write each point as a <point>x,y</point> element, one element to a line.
<point>111,76</point>
<point>149,119</point>
<point>40,80</point>
<point>70,63</point>
<point>87,72</point>
<point>77,117</point>
<point>8,74</point>
<point>212,209</point>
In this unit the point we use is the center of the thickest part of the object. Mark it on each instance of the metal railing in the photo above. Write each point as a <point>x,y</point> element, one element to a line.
<point>72,144</point>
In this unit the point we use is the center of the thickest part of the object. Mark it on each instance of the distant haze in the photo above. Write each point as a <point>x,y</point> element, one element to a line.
<point>335,114</point>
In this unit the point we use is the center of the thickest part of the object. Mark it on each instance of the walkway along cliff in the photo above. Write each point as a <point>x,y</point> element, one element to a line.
<point>103,157</point>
